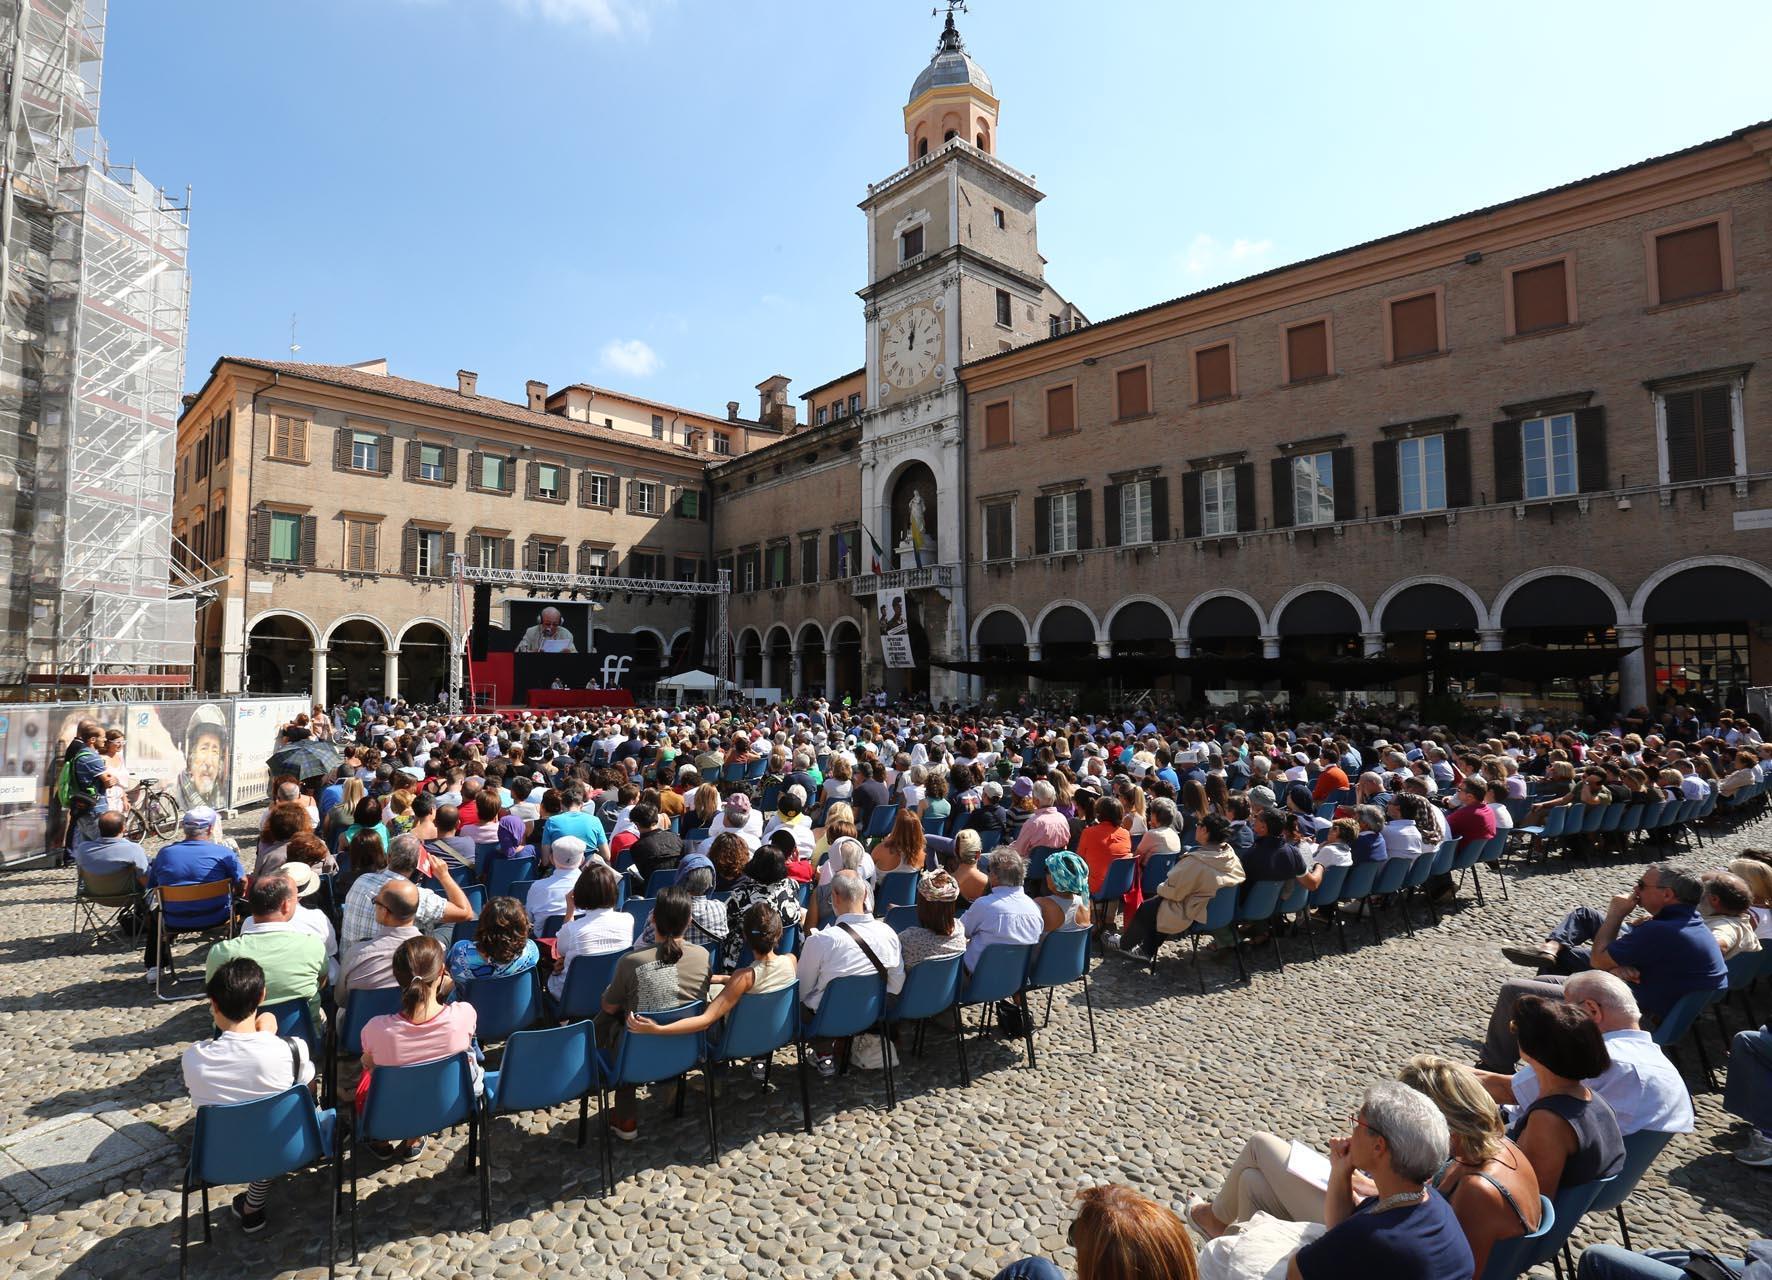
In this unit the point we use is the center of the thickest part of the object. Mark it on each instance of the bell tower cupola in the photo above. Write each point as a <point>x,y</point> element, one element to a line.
<point>951,98</point>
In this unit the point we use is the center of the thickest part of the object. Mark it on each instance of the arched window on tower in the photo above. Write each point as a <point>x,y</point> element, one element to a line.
<point>983,142</point>
<point>922,147</point>
<point>948,136</point>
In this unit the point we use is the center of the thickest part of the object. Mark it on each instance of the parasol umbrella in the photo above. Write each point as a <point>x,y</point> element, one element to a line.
<point>304,760</point>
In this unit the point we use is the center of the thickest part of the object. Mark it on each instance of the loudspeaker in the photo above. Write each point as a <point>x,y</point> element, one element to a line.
<point>482,621</point>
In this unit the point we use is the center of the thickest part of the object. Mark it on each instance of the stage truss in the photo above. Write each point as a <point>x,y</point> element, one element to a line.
<point>589,586</point>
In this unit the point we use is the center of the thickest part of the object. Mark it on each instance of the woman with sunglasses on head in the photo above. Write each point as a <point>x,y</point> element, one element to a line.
<point>1119,1234</point>
<point>1569,1133</point>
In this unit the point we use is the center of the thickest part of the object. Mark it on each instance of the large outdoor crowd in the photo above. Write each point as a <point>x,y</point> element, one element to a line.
<point>767,844</point>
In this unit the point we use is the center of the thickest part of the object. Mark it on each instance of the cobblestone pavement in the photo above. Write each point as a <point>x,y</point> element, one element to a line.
<point>953,1183</point>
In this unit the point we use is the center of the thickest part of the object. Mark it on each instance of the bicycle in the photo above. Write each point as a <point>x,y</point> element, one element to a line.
<point>153,812</point>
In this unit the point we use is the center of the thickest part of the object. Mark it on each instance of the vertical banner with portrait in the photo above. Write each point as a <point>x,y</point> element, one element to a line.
<point>895,629</point>
<point>256,722</point>
<point>188,746</point>
<point>27,768</point>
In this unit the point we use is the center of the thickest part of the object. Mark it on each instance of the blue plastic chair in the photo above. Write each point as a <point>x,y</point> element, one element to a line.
<point>733,772</point>
<point>1116,883</point>
<point>694,836</point>
<point>1219,914</point>
<point>504,873</point>
<point>935,826</point>
<point>1259,901</point>
<point>1356,889</point>
<point>1156,870</point>
<point>587,978</point>
<point>540,1070</point>
<point>1679,1020</point>
<point>770,798</point>
<point>346,1030</point>
<point>1640,1150</point>
<point>1293,902</point>
<point>1567,1208</point>
<point>756,1027</point>
<point>880,822</point>
<point>641,910</point>
<point>901,918</point>
<point>296,1018</point>
<point>1063,958</point>
<point>484,853</point>
<point>643,1059</point>
<point>756,769</point>
<point>519,890</point>
<point>1391,875</point>
<point>989,838</point>
<point>663,878</point>
<point>1490,856</point>
<point>504,1004</point>
<point>848,1007</point>
<point>931,988</point>
<point>896,889</point>
<point>256,1141</point>
<point>1416,878</point>
<point>1001,974</point>
<point>1327,893</point>
<point>789,942</point>
<point>414,1102</point>
<point>1507,1258</point>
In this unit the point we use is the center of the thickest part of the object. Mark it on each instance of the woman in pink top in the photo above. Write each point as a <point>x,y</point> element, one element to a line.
<point>424,1030</point>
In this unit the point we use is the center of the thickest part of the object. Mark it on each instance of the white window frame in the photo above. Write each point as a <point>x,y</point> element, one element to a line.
<point>748,572</point>
<point>1736,386</point>
<point>365,451</point>
<point>1137,524</point>
<point>1218,502</point>
<point>722,443</point>
<point>547,557</point>
<point>542,488</point>
<point>1426,451</point>
<point>646,497</point>
<point>1313,489</point>
<point>427,560</point>
<point>437,470</point>
<point>1548,436</point>
<point>488,552</point>
<point>605,483</point>
<point>1061,523</point>
<point>596,563</point>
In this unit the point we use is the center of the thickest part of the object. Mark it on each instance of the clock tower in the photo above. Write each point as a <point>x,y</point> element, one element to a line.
<point>954,274</point>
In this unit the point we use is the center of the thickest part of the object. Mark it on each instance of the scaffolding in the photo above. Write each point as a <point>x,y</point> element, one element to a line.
<point>94,302</point>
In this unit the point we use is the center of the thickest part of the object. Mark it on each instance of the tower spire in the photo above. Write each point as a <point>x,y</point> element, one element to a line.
<point>950,41</point>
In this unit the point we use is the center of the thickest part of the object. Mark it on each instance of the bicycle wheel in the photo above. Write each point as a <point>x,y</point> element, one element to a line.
<point>135,826</point>
<point>162,815</point>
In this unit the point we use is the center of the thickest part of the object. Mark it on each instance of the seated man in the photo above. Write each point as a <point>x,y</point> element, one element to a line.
<point>434,910</point>
<point>369,965</point>
<point>1642,1086</point>
<point>1727,911</point>
<point>291,958</point>
<point>1270,856</point>
<point>1005,914</point>
<point>1665,955</point>
<point>449,844</point>
<point>197,859</point>
<point>548,896</point>
<point>854,943</point>
<point>247,1061</point>
<point>110,853</point>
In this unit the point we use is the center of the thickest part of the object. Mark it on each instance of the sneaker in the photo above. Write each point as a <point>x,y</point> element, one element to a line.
<point>1757,1154</point>
<point>827,1066</point>
<point>153,976</point>
<point>1540,955</point>
<point>624,1130</point>
<point>250,1222</point>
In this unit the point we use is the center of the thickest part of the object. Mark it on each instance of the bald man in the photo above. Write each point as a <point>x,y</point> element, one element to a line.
<point>547,636</point>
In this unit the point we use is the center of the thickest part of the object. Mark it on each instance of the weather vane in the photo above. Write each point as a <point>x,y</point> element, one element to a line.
<point>954,6</point>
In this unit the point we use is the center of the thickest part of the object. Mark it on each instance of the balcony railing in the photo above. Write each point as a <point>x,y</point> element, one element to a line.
<point>934,575</point>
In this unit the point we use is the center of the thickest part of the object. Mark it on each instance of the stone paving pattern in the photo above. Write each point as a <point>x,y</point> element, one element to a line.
<point>953,1184</point>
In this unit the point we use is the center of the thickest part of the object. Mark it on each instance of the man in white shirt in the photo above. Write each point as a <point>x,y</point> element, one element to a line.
<point>247,1061</point>
<point>840,950</point>
<point>548,896</point>
<point>369,966</point>
<point>1005,914</point>
<point>1642,1086</point>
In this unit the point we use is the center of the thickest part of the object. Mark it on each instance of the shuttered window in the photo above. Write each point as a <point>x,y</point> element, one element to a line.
<point>1415,327</point>
<point>1547,456</point>
<point>1700,429</point>
<point>1061,410</point>
<point>1062,522</point>
<point>289,439</point>
<point>495,473</point>
<point>996,424</point>
<point>1307,351</point>
<point>360,539</point>
<point>1218,502</point>
<point>1212,373</point>
<point>1313,489</point>
<point>999,530</point>
<point>1541,298</point>
<point>1132,392</point>
<point>809,558</point>
<point>1689,263</point>
<point>285,537</point>
<point>1421,474</point>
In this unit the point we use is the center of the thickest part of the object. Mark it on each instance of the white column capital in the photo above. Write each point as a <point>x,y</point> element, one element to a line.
<point>1489,639</point>
<point>1372,643</point>
<point>1184,648</point>
<point>1270,646</point>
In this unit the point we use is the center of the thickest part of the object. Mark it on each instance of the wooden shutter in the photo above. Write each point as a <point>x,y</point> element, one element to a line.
<point>510,483</point>
<point>449,464</point>
<point>448,551</point>
<point>473,551</point>
<point>414,455</point>
<point>476,472</point>
<point>1132,389</point>
<point>1590,450</point>
<point>1042,525</point>
<point>1341,466</point>
<point>258,540</point>
<point>310,536</point>
<point>507,553</point>
<point>1541,298</point>
<point>1061,410</point>
<point>1190,504</point>
<point>532,480</point>
<point>384,455</point>
<point>1680,409</point>
<point>1386,497</point>
<point>1245,478</point>
<point>1307,351</point>
<point>1510,461</point>
<point>1415,327</point>
<point>1085,519</point>
<point>341,449</point>
<point>1689,263</point>
<point>996,424</point>
<point>1110,515</point>
<point>1212,373</point>
<point>836,566</point>
<point>1282,484</point>
<point>282,437</point>
<point>1160,509</point>
<point>409,549</point>
<point>1457,446</point>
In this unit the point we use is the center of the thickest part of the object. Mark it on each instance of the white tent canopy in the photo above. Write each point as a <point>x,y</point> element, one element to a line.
<point>694,682</point>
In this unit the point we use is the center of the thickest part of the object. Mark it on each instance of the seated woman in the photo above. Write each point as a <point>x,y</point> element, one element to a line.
<point>937,932</point>
<point>1186,894</point>
<point>500,947</point>
<point>708,926</point>
<point>1369,844</point>
<point>1066,901</point>
<point>730,855</point>
<point>1569,1132</point>
<point>846,854</point>
<point>424,1030</point>
<point>662,974</point>
<point>366,817</point>
<point>902,849</point>
<point>1104,843</point>
<point>767,971</point>
<point>1757,876</point>
<point>968,849</point>
<point>513,838</point>
<point>364,853</point>
<point>935,796</point>
<point>765,880</point>
<point>1118,1234</point>
<point>594,926</point>
<point>1489,1182</point>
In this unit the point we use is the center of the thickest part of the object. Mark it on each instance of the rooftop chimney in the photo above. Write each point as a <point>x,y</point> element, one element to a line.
<point>465,381</point>
<point>191,399</point>
<point>772,399</point>
<point>732,411</point>
<point>538,396</point>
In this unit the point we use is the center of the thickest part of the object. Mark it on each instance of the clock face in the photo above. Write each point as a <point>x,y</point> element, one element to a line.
<point>910,347</point>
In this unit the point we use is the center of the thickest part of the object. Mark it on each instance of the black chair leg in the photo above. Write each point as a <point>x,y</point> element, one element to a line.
<point>1027,1020</point>
<point>1199,978</point>
<point>806,1089</point>
<point>1047,1020</point>
<point>485,1172</point>
<point>886,1064</point>
<point>354,1146</point>
<point>332,1195</point>
<point>584,1118</point>
<point>184,1227</point>
<point>1623,1226</point>
<point>603,1128</point>
<point>707,1080</point>
<point>205,1198</point>
<point>682,1092</point>
<point>1089,1007</point>
<point>960,1044</point>
<point>1710,1074</point>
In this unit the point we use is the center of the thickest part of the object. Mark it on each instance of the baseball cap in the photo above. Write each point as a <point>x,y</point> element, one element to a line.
<point>200,818</point>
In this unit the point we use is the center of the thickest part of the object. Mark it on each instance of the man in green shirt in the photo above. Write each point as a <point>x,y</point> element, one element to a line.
<point>292,956</point>
<point>353,715</point>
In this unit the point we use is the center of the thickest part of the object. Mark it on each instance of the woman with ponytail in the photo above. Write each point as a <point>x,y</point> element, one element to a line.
<point>424,1030</point>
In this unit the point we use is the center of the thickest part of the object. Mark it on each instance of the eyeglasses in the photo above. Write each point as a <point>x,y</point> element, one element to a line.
<point>1357,1119</point>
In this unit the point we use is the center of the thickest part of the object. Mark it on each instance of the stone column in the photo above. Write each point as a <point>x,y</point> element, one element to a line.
<point>830,671</point>
<point>1104,649</point>
<point>318,690</point>
<point>1034,682</point>
<point>797,673</point>
<point>390,674</point>
<point>1184,648</point>
<point>1633,682</point>
<point>1270,646</point>
<point>1372,643</point>
<point>232,676</point>
<point>1489,640</point>
<point>768,681</point>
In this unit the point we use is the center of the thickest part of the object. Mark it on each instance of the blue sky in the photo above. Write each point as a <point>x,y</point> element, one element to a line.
<point>660,195</point>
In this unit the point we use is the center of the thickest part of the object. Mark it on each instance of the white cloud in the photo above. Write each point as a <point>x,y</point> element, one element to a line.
<point>1208,260</point>
<point>633,358</point>
<point>605,17</point>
